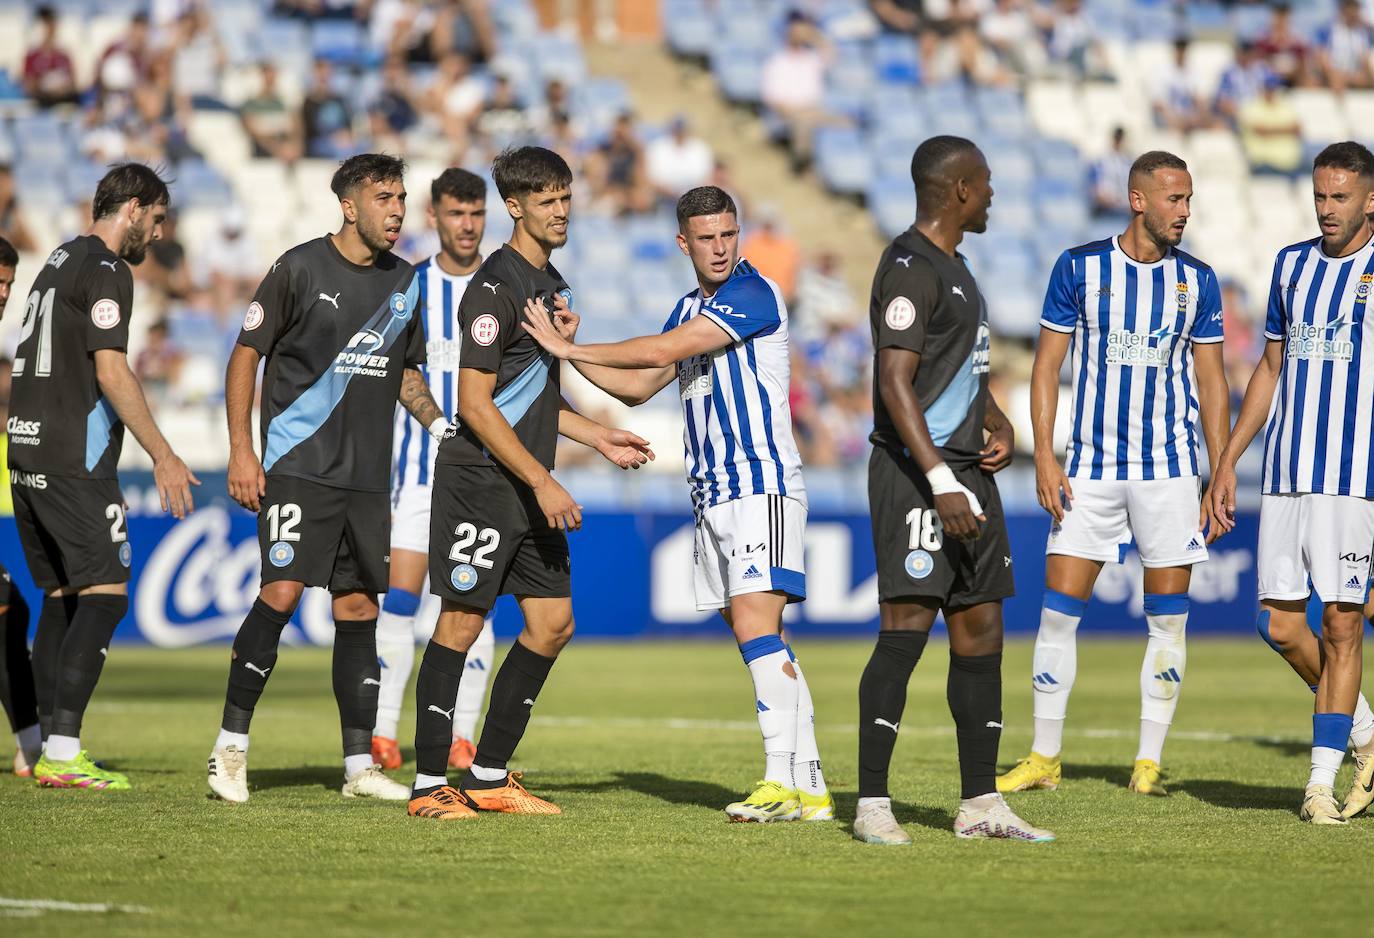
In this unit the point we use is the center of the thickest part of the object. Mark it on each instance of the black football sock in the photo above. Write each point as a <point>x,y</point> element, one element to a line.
<point>54,620</point>
<point>16,674</point>
<point>882,698</point>
<point>357,681</point>
<point>513,694</point>
<point>436,688</point>
<point>974,691</point>
<point>83,657</point>
<point>253,657</point>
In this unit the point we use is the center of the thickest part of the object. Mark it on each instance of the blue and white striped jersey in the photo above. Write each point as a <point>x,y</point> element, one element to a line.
<point>1135,409</point>
<point>738,434</point>
<point>413,449</point>
<point>1321,423</point>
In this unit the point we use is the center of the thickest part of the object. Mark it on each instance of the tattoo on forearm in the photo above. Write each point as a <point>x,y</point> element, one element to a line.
<point>415,397</point>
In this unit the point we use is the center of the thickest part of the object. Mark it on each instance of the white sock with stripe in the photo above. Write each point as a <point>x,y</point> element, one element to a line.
<point>775,698</point>
<point>396,657</point>
<point>1161,673</point>
<point>1054,668</point>
<point>806,762</point>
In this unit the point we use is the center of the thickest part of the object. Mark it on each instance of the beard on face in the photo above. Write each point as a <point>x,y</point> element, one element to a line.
<point>134,247</point>
<point>1162,234</point>
<point>373,236</point>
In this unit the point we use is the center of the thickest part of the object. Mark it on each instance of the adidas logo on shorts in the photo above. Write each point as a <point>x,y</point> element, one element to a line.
<point>752,573</point>
<point>1353,583</point>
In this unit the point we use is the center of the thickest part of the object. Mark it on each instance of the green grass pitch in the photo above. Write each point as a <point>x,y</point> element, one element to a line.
<point>642,744</point>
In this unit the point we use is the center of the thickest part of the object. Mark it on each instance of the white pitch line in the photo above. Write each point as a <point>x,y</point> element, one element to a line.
<point>57,905</point>
<point>679,723</point>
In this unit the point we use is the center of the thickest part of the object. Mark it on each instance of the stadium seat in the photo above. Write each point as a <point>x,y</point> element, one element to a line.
<point>897,59</point>
<point>599,101</point>
<point>1320,115</point>
<point>738,69</point>
<point>892,202</point>
<point>688,27</point>
<point>842,161</point>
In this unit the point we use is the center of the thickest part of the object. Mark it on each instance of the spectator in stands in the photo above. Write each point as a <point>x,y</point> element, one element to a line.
<point>899,16</point>
<point>1283,50</point>
<point>401,29</point>
<point>1242,80</point>
<point>49,78</point>
<point>396,100</point>
<point>316,9</point>
<point>466,27</point>
<point>1344,50</point>
<point>128,59</point>
<point>562,138</point>
<point>678,161</point>
<point>158,363</point>
<point>502,121</point>
<point>1010,31</point>
<point>326,118</point>
<point>456,97</point>
<point>1072,43</point>
<point>1270,133</point>
<point>823,296</point>
<point>616,170</point>
<point>165,268</point>
<point>198,60</point>
<point>950,44</point>
<point>1107,180</point>
<point>272,128</point>
<point>555,103</point>
<point>793,85</point>
<point>12,227</point>
<point>1178,100</point>
<point>229,262</point>
<point>773,251</point>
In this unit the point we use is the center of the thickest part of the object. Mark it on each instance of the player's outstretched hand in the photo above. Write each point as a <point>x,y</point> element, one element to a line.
<point>174,483</point>
<point>538,324</point>
<point>1050,482</point>
<point>627,450</point>
<point>564,319</point>
<point>1001,447</point>
<point>247,481</point>
<point>1207,518</point>
<point>559,509</point>
<point>1222,498</point>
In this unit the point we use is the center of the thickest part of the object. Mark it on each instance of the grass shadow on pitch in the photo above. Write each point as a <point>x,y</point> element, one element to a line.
<point>940,819</point>
<point>1285,747</point>
<point>1228,793</point>
<point>1113,774</point>
<point>303,776</point>
<point>686,791</point>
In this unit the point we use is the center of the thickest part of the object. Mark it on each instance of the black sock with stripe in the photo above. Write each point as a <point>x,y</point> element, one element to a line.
<point>882,699</point>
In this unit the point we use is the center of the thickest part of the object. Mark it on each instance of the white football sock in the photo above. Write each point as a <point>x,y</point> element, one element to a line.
<point>806,762</point>
<point>484,774</point>
<point>62,748</point>
<point>872,802</point>
<point>355,764</point>
<point>472,690</point>
<point>428,781</point>
<point>1362,732</point>
<point>226,738</point>
<point>1325,764</point>
<point>775,698</point>
<point>396,655</point>
<point>1054,667</point>
<point>1162,670</point>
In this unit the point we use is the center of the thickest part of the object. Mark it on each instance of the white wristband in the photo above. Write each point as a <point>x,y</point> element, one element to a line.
<point>942,480</point>
<point>438,428</point>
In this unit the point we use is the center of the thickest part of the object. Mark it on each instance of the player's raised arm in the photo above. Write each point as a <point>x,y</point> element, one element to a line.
<point>631,386</point>
<point>623,448</point>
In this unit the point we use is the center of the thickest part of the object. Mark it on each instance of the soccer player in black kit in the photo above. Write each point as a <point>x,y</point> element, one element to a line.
<point>498,521</point>
<point>938,531</point>
<point>17,693</point>
<point>335,319</point>
<point>73,395</point>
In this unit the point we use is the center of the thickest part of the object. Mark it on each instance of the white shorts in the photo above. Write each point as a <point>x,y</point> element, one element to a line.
<point>1161,514</point>
<point>410,519</point>
<point>752,544</point>
<point>1315,541</point>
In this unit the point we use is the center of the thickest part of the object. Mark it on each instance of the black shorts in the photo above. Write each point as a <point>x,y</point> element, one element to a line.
<point>915,558</point>
<point>320,535</point>
<point>488,538</point>
<point>73,530</point>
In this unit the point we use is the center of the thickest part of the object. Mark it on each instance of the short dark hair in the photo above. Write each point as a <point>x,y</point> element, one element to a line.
<point>458,184</point>
<point>704,200</point>
<point>45,13</point>
<point>127,181</point>
<point>521,170</point>
<point>9,257</point>
<point>1347,155</point>
<point>1153,160</point>
<point>363,168</point>
<point>930,161</point>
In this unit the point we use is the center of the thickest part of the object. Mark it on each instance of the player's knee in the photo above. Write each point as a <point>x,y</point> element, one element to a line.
<point>561,634</point>
<point>1280,633</point>
<point>283,595</point>
<point>354,606</point>
<point>1342,632</point>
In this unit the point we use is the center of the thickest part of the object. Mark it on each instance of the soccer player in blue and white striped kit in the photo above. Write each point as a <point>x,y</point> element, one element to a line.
<point>726,343</point>
<point>458,207</point>
<point>1314,386</point>
<point>1144,319</point>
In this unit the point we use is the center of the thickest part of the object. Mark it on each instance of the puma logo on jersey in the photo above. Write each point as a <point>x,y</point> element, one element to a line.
<point>490,286</point>
<point>109,264</point>
<point>332,300</point>
<point>959,292</point>
<point>905,261</point>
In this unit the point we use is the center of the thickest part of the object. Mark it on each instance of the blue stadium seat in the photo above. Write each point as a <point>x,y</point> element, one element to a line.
<point>897,59</point>
<point>1011,168</point>
<point>197,184</point>
<point>598,102</point>
<point>898,110</point>
<point>559,57</point>
<point>842,160</point>
<point>341,41</point>
<point>688,26</point>
<point>738,69</point>
<point>893,204</point>
<point>1013,309</point>
<point>754,22</point>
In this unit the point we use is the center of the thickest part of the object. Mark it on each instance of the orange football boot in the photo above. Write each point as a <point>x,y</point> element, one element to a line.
<point>461,753</point>
<point>510,798</point>
<point>442,804</point>
<point>386,753</point>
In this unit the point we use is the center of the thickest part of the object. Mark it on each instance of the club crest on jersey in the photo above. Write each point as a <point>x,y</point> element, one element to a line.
<point>105,314</point>
<point>900,313</point>
<point>281,554</point>
<point>1362,288</point>
<point>400,308</point>
<point>254,317</point>
<point>464,577</point>
<point>1181,295</point>
<point>567,296</point>
<point>485,329</point>
<point>919,564</point>
<point>126,554</point>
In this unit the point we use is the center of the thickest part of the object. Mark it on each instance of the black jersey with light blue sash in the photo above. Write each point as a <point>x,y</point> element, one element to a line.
<point>337,337</point>
<point>527,378</point>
